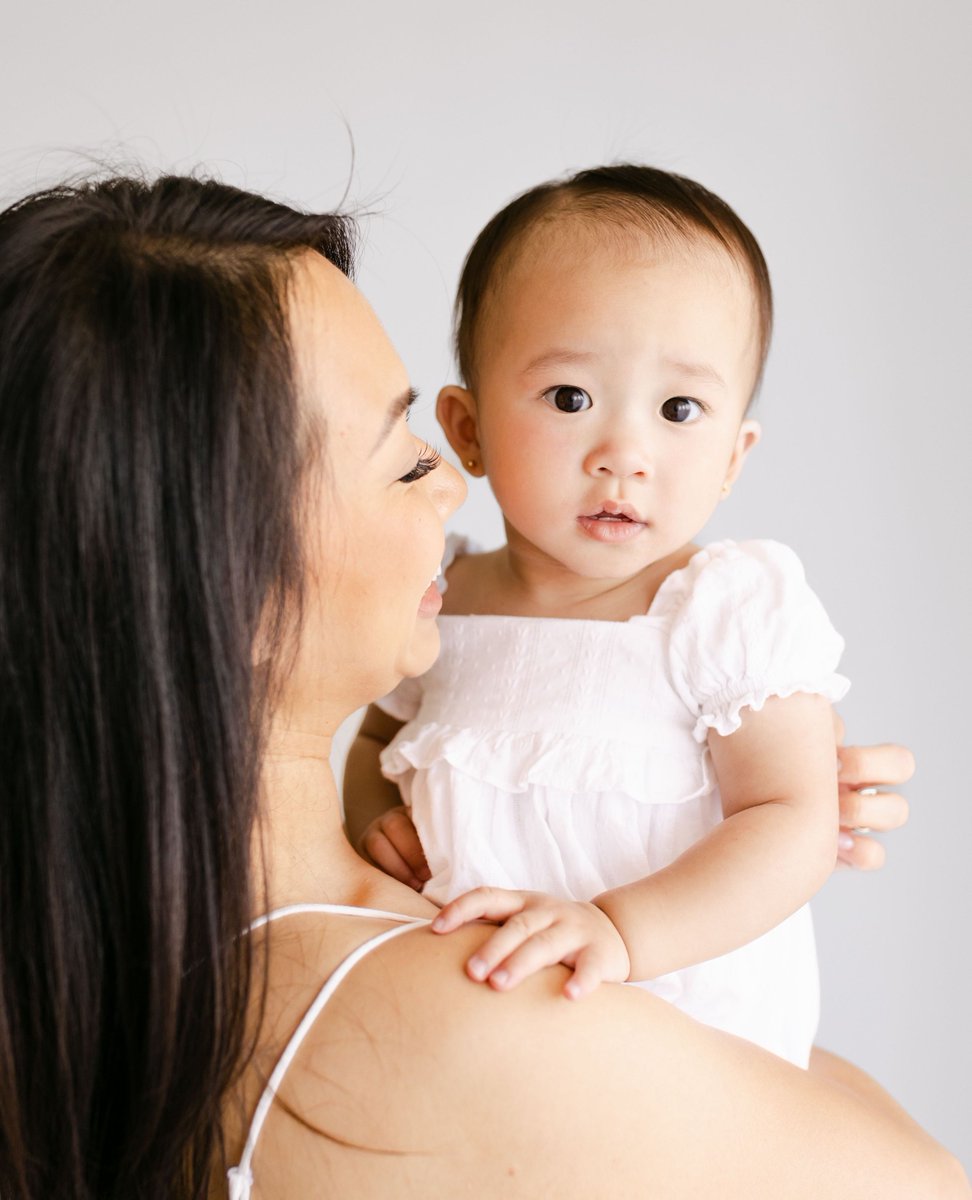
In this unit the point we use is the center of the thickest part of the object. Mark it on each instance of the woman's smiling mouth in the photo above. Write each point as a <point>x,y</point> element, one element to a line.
<point>431,600</point>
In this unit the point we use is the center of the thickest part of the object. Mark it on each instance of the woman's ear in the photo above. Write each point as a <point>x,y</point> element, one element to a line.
<point>456,412</point>
<point>749,434</point>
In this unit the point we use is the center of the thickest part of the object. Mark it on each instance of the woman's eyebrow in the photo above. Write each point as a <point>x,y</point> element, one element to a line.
<point>401,404</point>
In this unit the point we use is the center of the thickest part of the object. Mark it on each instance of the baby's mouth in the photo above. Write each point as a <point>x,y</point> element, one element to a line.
<point>618,511</point>
<point>606,516</point>
<point>613,521</point>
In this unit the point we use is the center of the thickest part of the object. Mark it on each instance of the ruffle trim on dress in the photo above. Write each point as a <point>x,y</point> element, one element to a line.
<point>723,710</point>
<point>515,762</point>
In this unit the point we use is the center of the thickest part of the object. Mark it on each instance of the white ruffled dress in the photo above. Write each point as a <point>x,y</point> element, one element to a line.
<point>569,756</point>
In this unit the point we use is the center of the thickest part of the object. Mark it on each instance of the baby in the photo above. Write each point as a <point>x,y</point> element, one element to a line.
<point>626,744</point>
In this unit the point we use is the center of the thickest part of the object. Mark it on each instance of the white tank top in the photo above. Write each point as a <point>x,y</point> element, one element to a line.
<point>241,1176</point>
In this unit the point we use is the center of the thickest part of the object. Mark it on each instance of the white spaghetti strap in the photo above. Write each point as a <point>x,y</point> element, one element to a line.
<point>240,1177</point>
<point>340,910</point>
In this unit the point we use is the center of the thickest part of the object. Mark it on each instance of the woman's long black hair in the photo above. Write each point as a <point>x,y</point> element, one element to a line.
<point>150,461</point>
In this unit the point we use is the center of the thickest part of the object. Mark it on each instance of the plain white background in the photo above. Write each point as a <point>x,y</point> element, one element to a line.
<point>839,131</point>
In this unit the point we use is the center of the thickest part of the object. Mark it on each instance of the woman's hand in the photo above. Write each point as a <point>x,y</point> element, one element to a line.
<point>539,931</point>
<point>392,844</point>
<point>863,809</point>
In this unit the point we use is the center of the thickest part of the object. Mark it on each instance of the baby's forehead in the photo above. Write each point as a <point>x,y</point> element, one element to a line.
<point>559,267</point>
<point>616,240</point>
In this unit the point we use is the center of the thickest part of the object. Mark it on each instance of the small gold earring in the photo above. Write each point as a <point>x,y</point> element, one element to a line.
<point>471,463</point>
<point>726,489</point>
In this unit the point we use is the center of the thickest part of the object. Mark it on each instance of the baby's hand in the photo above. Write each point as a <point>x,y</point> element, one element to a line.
<point>390,841</point>
<point>539,931</point>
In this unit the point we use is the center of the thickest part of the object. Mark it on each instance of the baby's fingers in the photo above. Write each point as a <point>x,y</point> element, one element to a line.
<point>481,904</point>
<point>519,950</point>
<point>591,969</point>
<point>398,829</point>
<point>384,855</point>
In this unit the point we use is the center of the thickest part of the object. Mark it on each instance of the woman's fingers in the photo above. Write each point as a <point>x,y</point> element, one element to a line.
<point>871,809</point>
<point>860,851</point>
<point>862,766</point>
<point>860,813</point>
<point>863,808</point>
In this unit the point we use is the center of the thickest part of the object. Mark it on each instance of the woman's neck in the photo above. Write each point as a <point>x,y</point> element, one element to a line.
<point>299,845</point>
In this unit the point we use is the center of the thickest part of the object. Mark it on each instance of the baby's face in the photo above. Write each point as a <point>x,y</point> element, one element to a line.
<point>612,385</point>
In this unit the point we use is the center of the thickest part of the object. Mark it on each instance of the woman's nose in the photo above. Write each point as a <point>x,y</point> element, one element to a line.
<point>448,488</point>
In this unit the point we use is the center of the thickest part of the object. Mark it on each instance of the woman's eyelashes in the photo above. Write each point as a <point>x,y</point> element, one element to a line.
<point>567,399</point>
<point>428,460</point>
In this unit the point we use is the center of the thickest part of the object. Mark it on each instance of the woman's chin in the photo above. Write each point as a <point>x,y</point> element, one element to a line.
<point>422,650</point>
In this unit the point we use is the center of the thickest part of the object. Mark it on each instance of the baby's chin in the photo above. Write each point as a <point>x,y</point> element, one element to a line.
<point>577,554</point>
<point>618,560</point>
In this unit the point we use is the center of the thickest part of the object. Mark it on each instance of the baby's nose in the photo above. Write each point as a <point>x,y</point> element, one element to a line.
<point>621,458</point>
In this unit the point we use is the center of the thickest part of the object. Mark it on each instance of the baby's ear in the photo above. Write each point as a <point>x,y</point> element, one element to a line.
<point>456,411</point>
<point>749,434</point>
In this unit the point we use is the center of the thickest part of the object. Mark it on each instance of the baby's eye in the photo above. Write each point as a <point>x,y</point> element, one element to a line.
<point>567,399</point>
<point>681,410</point>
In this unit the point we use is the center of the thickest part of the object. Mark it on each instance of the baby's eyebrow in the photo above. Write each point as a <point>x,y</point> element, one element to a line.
<point>696,371</point>
<point>563,357</point>
<point>559,358</point>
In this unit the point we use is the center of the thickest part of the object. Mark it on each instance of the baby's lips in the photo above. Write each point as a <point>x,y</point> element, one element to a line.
<point>615,508</point>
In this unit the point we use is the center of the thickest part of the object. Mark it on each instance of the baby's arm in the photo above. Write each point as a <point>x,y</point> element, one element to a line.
<point>778,779</point>
<point>376,821</point>
<point>776,846</point>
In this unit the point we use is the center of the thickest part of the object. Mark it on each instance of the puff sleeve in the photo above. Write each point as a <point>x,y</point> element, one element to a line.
<point>745,626</point>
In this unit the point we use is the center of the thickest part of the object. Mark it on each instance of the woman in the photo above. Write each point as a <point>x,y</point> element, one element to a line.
<point>217,538</point>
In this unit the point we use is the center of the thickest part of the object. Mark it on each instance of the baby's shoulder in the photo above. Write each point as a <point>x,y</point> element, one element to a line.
<point>729,576</point>
<point>467,575</point>
<point>744,624</point>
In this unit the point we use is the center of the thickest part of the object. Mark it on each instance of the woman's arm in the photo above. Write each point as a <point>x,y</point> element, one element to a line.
<point>376,822</point>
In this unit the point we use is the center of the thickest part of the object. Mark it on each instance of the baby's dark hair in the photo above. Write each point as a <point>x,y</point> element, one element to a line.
<point>667,206</point>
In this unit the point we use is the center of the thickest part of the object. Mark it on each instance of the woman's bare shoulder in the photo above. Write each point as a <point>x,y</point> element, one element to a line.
<point>440,1082</point>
